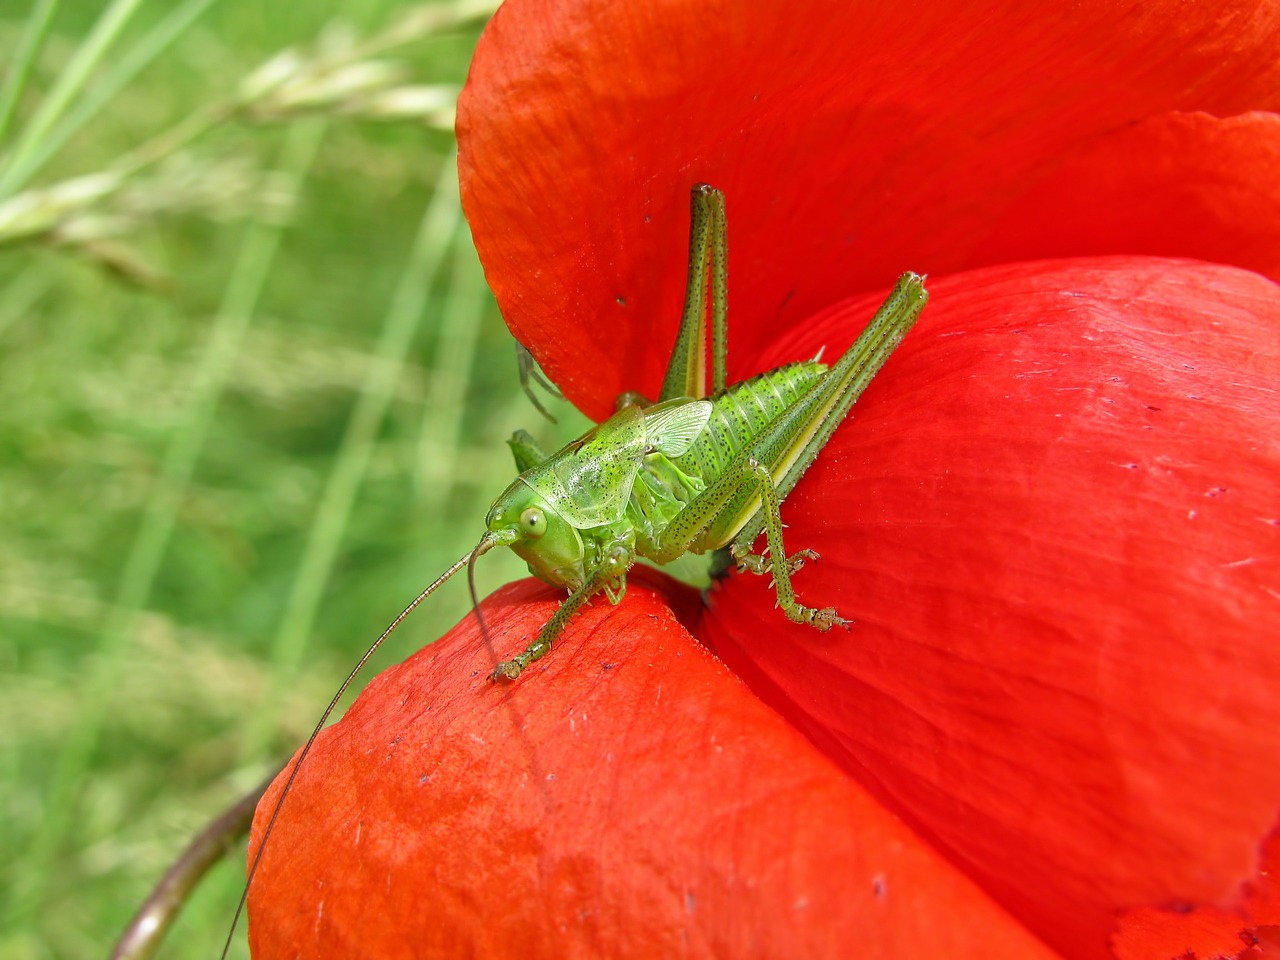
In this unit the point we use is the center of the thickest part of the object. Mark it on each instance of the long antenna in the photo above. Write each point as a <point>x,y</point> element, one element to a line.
<point>485,544</point>
<point>475,603</point>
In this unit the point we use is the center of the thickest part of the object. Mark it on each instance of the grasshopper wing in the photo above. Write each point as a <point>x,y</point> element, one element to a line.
<point>589,482</point>
<point>673,425</point>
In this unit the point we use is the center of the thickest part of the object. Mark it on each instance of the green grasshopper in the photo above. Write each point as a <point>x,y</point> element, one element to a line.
<point>691,473</point>
<point>696,471</point>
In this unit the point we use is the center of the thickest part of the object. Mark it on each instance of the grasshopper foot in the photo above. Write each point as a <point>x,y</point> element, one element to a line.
<point>826,618</point>
<point>631,398</point>
<point>760,565</point>
<point>822,620</point>
<point>506,671</point>
<point>797,559</point>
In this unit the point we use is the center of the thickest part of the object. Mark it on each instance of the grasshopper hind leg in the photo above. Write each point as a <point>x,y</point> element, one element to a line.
<point>823,618</point>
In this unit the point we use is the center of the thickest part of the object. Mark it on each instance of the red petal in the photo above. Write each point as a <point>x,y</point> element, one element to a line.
<point>1251,932</point>
<point>1176,184</point>
<point>1055,519</point>
<point>628,797</point>
<point>854,141</point>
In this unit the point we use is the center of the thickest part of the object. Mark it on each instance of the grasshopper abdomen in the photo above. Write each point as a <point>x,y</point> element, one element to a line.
<point>744,411</point>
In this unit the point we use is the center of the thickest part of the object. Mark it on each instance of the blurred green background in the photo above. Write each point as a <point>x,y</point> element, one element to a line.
<point>253,396</point>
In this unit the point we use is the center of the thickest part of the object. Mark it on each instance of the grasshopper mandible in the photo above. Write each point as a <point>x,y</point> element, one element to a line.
<point>699,470</point>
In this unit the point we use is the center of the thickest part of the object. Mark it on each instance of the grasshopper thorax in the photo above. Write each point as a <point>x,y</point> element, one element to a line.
<point>550,545</point>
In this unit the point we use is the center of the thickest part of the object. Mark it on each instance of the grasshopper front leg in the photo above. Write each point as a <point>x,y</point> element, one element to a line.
<point>608,576</point>
<point>541,646</point>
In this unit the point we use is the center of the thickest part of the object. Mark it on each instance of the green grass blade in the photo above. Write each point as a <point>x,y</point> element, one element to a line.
<point>438,227</point>
<point>451,375</point>
<point>143,53</point>
<point>101,674</point>
<point>70,82</point>
<point>15,78</point>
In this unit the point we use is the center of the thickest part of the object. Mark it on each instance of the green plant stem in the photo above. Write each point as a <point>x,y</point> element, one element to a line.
<point>142,54</point>
<point>173,139</point>
<point>101,674</point>
<point>146,931</point>
<point>439,224</point>
<point>452,366</point>
<point>15,79</point>
<point>70,81</point>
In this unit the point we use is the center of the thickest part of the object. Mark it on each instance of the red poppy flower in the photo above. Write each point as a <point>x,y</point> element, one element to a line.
<point>1055,515</point>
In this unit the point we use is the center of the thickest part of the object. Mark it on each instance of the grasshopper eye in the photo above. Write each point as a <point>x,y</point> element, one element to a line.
<point>533,523</point>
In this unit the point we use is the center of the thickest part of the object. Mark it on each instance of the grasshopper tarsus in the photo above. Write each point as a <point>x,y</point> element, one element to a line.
<point>760,565</point>
<point>824,619</point>
<point>506,672</point>
<point>530,377</point>
<point>509,670</point>
<point>631,398</point>
<point>798,559</point>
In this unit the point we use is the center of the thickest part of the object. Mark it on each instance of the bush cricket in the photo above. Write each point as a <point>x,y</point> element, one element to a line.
<point>704,468</point>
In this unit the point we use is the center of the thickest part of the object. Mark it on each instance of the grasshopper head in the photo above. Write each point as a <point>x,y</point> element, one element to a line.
<point>523,521</point>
